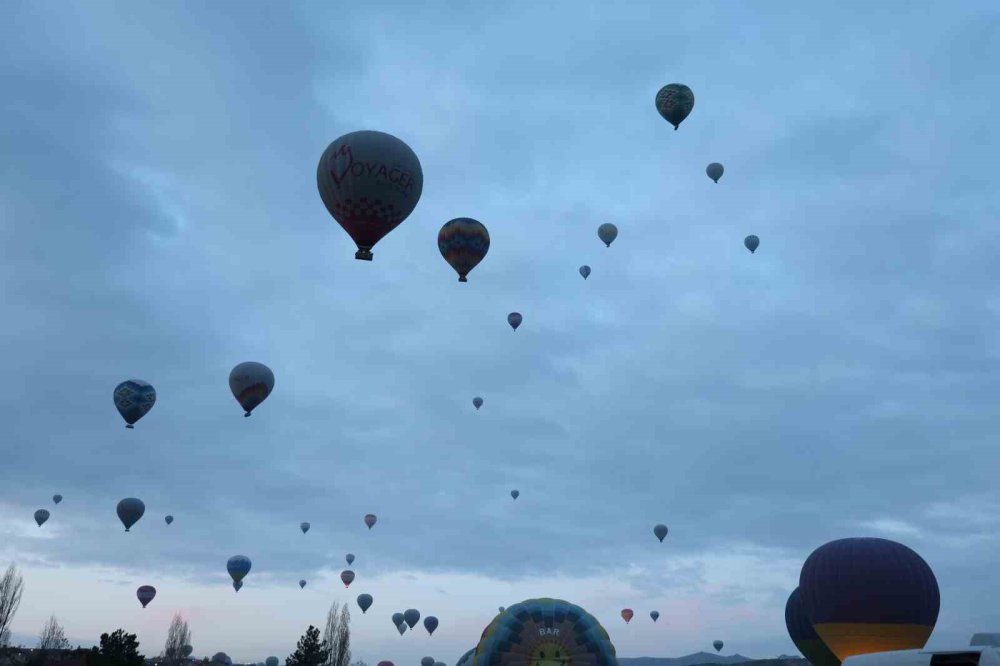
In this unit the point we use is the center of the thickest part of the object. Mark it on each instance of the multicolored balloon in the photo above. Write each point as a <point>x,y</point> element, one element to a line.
<point>365,602</point>
<point>751,243</point>
<point>370,520</point>
<point>477,402</point>
<point>660,531</point>
<point>369,182</point>
<point>627,615</point>
<point>41,516</point>
<point>801,631</point>
<point>715,171</point>
<point>463,243</point>
<point>674,103</point>
<point>867,595</point>
<point>145,593</point>
<point>585,271</point>
<point>129,511</point>
<point>347,576</point>
<point>133,399</point>
<point>607,232</point>
<point>430,624</point>
<point>251,383</point>
<point>514,319</point>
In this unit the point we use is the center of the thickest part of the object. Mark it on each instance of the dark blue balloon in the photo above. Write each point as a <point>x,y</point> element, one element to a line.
<point>133,399</point>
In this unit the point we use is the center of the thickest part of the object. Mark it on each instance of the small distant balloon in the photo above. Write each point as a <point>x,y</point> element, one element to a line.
<point>515,493</point>
<point>411,616</point>
<point>385,663</point>
<point>370,520</point>
<point>427,661</point>
<point>186,651</point>
<point>350,559</point>
<point>430,624</point>
<point>401,628</point>
<point>347,576</point>
<point>661,532</point>
<point>717,645</point>
<point>271,661</point>
<point>655,615</point>
<point>41,516</point>
<point>133,399</point>
<point>585,271</point>
<point>751,242</point>
<point>607,232</point>
<point>674,103</point>
<point>514,319</point>
<point>130,510</point>
<point>302,583</point>
<point>501,609</point>
<point>477,402</point>
<point>463,242</point>
<point>145,594</point>
<point>238,567</point>
<point>251,383</point>
<point>715,171</point>
<point>397,619</point>
<point>627,615</point>
<point>57,498</point>
<point>168,519</point>
<point>365,602</point>
<point>304,527</point>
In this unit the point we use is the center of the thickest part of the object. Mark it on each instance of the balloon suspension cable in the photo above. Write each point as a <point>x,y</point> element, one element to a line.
<point>364,254</point>
<point>129,426</point>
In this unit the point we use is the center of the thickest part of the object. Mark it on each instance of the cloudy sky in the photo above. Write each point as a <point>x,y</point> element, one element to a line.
<point>160,220</point>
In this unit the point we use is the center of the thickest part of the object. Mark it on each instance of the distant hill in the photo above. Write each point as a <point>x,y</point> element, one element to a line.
<point>709,659</point>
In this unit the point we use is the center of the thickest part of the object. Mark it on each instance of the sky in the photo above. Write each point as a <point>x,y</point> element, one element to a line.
<point>160,220</point>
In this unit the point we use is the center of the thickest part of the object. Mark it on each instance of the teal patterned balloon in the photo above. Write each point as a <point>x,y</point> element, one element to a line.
<point>674,102</point>
<point>463,243</point>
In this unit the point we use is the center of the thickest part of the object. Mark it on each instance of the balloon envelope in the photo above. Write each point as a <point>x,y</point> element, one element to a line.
<point>397,619</point>
<point>463,242</point>
<point>304,527</point>
<point>427,661</point>
<point>369,182</point>
<point>41,516</point>
<point>133,399</point>
<point>350,559</point>
<point>715,171</point>
<point>370,520</point>
<point>168,519</point>
<point>251,383</point>
<point>627,615</point>
<point>401,628</point>
<point>57,498</point>
<point>430,624</point>
<point>656,616</point>
<point>302,584</point>
<point>347,576</point>
<point>365,602</point>
<point>585,271</point>
<point>868,595</point>
<point>271,661</point>
<point>129,511</point>
<point>751,243</point>
<point>801,631</point>
<point>514,319</point>
<point>238,567</point>
<point>385,663</point>
<point>411,616</point>
<point>607,232</point>
<point>145,594</point>
<point>660,531</point>
<point>674,103</point>
<point>549,632</point>
<point>717,645</point>
<point>515,493</point>
<point>477,402</point>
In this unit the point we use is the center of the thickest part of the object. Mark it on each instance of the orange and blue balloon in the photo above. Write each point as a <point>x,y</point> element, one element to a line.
<point>463,243</point>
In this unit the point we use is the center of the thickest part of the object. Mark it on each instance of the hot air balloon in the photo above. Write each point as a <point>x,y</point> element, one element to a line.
<point>251,383</point>
<point>477,402</point>
<point>401,628</point>
<point>463,243</point>
<point>751,242</point>
<point>717,645</point>
<point>271,661</point>
<point>411,616</point>
<point>350,559</point>
<point>133,399</point>
<point>674,102</point>
<point>397,619</point>
<point>365,602</point>
<point>514,319</point>
<point>186,651</point>
<point>627,615</point>
<point>427,661</point>
<point>129,511</point>
<point>385,663</point>
<point>715,171</point>
<point>585,271</point>
<point>544,632</point>
<point>221,658</point>
<point>238,567</point>
<point>304,527</point>
<point>347,576</point>
<point>801,631</point>
<point>868,595</point>
<point>430,624</point>
<point>656,616</point>
<point>41,516</point>
<point>370,520</point>
<point>515,493</point>
<point>145,594</point>
<point>302,584</point>
<point>661,532</point>
<point>501,609</point>
<point>369,182</point>
<point>57,498</point>
<point>607,232</point>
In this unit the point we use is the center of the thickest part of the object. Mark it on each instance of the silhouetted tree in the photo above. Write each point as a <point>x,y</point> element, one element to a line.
<point>177,637</point>
<point>337,635</point>
<point>117,649</point>
<point>53,637</point>
<point>310,651</point>
<point>11,587</point>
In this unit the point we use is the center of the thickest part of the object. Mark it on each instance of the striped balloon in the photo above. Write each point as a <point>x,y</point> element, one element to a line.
<point>463,243</point>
